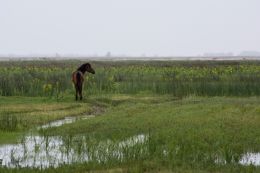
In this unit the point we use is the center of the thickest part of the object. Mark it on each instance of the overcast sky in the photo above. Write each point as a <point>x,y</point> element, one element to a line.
<point>131,27</point>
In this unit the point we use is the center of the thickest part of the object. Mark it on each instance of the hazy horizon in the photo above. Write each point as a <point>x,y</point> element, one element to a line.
<point>129,27</point>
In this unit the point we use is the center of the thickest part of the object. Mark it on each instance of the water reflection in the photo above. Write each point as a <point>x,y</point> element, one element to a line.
<point>66,120</point>
<point>250,159</point>
<point>43,152</point>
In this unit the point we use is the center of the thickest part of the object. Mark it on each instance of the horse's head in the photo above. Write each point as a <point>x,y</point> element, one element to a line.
<point>88,68</point>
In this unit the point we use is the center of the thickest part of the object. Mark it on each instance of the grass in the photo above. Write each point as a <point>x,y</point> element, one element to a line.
<point>193,131</point>
<point>29,113</point>
<point>53,78</point>
<point>192,113</point>
<point>204,121</point>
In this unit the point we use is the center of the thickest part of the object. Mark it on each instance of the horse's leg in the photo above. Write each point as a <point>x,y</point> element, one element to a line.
<point>76,94</point>
<point>80,91</point>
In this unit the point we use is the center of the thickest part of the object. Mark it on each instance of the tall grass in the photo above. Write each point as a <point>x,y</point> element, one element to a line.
<point>8,122</point>
<point>176,78</point>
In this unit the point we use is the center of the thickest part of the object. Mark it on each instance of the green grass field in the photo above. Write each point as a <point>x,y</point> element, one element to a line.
<point>187,128</point>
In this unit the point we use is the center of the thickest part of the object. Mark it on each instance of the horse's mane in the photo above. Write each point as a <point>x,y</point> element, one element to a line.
<point>82,68</point>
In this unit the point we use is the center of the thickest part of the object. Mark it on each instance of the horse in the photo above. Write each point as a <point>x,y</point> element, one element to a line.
<point>78,78</point>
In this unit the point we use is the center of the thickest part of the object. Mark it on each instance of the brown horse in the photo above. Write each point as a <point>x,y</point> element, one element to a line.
<point>78,78</point>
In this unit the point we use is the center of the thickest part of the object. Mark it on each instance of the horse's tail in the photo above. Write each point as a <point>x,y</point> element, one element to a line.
<point>78,77</point>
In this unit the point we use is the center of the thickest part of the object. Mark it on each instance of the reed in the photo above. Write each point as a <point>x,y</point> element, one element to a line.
<point>176,78</point>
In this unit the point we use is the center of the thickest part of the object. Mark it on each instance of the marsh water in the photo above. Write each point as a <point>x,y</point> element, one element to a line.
<point>250,158</point>
<point>66,120</point>
<point>43,152</point>
<point>52,151</point>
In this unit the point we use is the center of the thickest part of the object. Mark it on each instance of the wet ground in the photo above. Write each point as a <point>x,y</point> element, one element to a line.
<point>44,151</point>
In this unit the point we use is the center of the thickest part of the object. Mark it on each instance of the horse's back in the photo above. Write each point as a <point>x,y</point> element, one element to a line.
<point>77,76</point>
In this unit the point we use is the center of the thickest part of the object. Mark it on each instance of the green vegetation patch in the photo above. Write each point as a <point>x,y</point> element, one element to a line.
<point>178,78</point>
<point>193,132</point>
<point>188,134</point>
<point>20,114</point>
